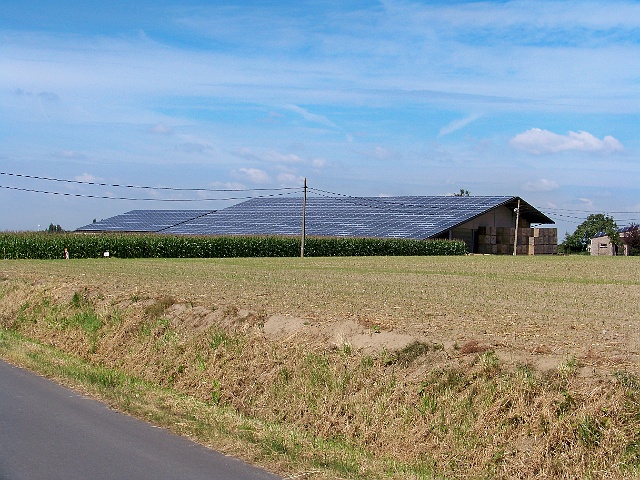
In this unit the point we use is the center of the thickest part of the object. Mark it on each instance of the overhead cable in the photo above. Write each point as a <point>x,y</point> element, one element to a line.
<point>81,195</point>
<point>84,182</point>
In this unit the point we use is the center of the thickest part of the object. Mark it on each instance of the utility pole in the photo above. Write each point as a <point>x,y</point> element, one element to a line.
<point>304,220</point>
<point>515,240</point>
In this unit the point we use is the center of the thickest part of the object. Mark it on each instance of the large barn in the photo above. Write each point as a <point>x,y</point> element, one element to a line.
<point>486,223</point>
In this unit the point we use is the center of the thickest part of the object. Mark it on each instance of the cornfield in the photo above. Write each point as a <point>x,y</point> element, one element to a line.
<point>52,246</point>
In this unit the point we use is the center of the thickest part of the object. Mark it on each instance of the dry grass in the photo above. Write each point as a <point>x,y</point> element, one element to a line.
<point>519,367</point>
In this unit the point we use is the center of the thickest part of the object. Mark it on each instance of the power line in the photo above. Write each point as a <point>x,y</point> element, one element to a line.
<point>382,203</point>
<point>81,195</point>
<point>588,211</point>
<point>82,182</point>
<point>368,201</point>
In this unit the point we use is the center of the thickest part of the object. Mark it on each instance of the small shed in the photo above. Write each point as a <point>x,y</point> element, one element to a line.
<point>602,245</point>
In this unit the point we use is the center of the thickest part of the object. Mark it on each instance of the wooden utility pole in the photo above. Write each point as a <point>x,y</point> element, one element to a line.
<point>515,240</point>
<point>304,220</point>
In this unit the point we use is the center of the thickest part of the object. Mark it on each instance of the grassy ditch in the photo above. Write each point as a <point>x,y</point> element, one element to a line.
<point>435,407</point>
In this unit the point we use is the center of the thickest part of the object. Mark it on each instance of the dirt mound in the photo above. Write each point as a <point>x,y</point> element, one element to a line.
<point>335,334</point>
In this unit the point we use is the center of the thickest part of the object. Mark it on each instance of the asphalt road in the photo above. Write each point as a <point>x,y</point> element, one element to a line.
<point>50,432</point>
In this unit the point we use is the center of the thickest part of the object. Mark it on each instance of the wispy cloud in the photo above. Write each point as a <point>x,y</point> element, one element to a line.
<point>254,175</point>
<point>368,86</point>
<point>290,179</point>
<point>71,155</point>
<point>311,117</point>
<point>86,177</point>
<point>281,159</point>
<point>378,152</point>
<point>541,185</point>
<point>474,54</point>
<point>160,129</point>
<point>457,125</point>
<point>538,142</point>
<point>194,147</point>
<point>586,202</point>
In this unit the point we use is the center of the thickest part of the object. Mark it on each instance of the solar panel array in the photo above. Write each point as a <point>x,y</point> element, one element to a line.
<point>410,217</point>
<point>143,221</point>
<point>628,228</point>
<point>374,217</point>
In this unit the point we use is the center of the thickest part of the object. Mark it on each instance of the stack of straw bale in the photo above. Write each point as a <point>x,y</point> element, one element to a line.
<point>531,241</point>
<point>543,241</point>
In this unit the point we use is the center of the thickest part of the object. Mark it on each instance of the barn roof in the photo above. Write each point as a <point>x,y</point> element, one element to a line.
<point>415,217</point>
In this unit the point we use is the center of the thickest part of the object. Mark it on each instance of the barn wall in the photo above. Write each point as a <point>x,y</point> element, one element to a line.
<point>499,217</point>
<point>494,233</point>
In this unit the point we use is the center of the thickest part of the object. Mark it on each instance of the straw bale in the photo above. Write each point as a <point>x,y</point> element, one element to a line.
<point>537,249</point>
<point>483,248</point>
<point>504,239</point>
<point>503,249</point>
<point>487,239</point>
<point>537,241</point>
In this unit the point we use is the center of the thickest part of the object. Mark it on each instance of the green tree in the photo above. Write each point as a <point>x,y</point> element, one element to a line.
<point>54,228</point>
<point>463,193</point>
<point>595,223</point>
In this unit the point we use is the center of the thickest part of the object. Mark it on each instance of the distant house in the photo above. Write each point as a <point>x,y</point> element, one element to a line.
<point>601,244</point>
<point>486,224</point>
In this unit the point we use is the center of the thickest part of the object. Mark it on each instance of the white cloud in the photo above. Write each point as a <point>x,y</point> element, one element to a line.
<point>194,147</point>
<point>541,185</point>
<point>538,142</point>
<point>71,154</point>
<point>318,162</point>
<point>311,117</point>
<point>271,156</point>
<point>161,129</point>
<point>278,158</point>
<point>378,153</point>
<point>85,177</point>
<point>228,185</point>
<point>457,125</point>
<point>381,153</point>
<point>290,179</point>
<point>254,175</point>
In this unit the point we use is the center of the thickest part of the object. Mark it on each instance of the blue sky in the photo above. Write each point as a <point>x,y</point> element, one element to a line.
<point>539,99</point>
